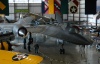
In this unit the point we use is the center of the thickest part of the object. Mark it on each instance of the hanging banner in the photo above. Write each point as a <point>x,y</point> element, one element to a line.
<point>64,7</point>
<point>51,6</point>
<point>4,7</point>
<point>57,6</point>
<point>90,6</point>
<point>73,7</point>
<point>44,7</point>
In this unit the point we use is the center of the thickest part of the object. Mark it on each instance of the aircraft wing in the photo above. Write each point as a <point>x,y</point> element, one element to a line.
<point>9,57</point>
<point>40,18</point>
<point>7,36</point>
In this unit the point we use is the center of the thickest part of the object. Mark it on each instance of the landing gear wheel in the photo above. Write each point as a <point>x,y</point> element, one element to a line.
<point>62,51</point>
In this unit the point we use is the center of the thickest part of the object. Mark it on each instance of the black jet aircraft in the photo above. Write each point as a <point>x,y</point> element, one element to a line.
<point>54,32</point>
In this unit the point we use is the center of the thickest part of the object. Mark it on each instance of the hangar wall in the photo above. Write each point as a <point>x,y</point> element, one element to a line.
<point>36,8</point>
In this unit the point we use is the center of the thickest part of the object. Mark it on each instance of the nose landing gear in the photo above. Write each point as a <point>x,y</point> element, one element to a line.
<point>62,50</point>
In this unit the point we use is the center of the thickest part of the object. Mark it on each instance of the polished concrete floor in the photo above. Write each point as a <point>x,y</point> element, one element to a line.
<point>74,54</point>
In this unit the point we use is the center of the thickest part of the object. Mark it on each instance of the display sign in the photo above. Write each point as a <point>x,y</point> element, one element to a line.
<point>21,10</point>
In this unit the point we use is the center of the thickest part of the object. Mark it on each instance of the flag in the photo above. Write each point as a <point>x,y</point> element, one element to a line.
<point>44,7</point>
<point>64,6</point>
<point>90,6</point>
<point>57,6</point>
<point>73,6</point>
<point>51,6</point>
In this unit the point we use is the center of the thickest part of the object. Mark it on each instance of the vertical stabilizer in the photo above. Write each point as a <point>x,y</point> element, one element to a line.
<point>58,17</point>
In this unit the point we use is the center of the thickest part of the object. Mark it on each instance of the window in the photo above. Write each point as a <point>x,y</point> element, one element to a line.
<point>11,1</point>
<point>34,1</point>
<point>24,1</point>
<point>98,5</point>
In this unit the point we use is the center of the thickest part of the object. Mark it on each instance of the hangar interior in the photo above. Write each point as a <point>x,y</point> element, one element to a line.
<point>88,50</point>
<point>36,8</point>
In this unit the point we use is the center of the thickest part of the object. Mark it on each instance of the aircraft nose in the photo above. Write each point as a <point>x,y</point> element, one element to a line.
<point>87,41</point>
<point>81,40</point>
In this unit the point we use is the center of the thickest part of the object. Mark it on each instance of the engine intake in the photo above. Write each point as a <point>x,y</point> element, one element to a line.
<point>19,30</point>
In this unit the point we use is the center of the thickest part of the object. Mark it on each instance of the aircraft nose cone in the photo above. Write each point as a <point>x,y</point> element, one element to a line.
<point>88,42</point>
<point>81,40</point>
<point>97,30</point>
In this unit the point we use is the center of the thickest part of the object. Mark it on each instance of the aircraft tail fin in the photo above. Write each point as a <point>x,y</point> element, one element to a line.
<point>58,17</point>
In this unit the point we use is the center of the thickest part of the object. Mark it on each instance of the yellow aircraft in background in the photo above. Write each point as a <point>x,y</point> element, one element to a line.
<point>10,57</point>
<point>5,46</point>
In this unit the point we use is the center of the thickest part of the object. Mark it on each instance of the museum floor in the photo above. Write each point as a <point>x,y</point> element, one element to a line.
<point>74,54</point>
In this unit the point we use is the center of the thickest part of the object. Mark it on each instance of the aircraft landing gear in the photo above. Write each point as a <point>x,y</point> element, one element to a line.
<point>62,50</point>
<point>36,46</point>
